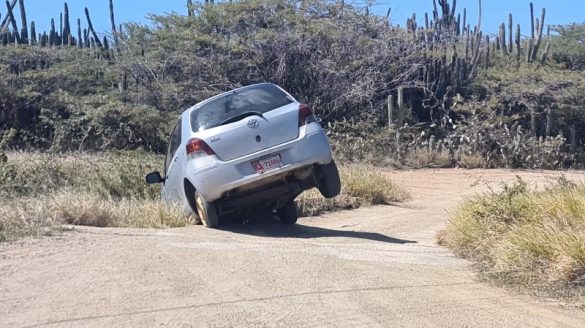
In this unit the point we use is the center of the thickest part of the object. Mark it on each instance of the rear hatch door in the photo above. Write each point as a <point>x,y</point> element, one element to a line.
<point>247,121</point>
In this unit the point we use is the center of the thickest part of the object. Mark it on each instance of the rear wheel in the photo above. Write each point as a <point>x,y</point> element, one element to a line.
<point>207,212</point>
<point>329,181</point>
<point>288,213</point>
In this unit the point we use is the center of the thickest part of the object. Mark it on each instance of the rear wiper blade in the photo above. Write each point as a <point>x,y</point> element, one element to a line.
<point>240,117</point>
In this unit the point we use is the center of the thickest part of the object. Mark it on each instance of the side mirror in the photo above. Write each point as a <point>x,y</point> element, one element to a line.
<point>154,178</point>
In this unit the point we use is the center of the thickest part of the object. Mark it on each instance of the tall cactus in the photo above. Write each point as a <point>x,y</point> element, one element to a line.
<point>66,25</point>
<point>401,107</point>
<point>33,33</point>
<point>52,34</point>
<point>464,19</point>
<point>529,50</point>
<point>544,56</point>
<point>487,54</point>
<point>502,39</point>
<point>86,42</point>
<point>5,22</point>
<point>517,45</point>
<point>510,30</point>
<point>539,36</point>
<point>532,20</point>
<point>189,8</point>
<point>24,28</point>
<point>11,19</point>
<point>79,36</point>
<point>96,38</point>
<point>60,39</point>
<point>113,21</point>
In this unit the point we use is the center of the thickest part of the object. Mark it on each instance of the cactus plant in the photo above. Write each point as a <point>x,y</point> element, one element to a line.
<point>487,54</point>
<point>52,34</point>
<point>510,35</point>
<point>517,45</point>
<point>60,39</point>
<point>79,35</point>
<point>502,39</point>
<point>390,111</point>
<point>5,23</point>
<point>401,107</point>
<point>529,50</point>
<point>33,33</point>
<point>189,8</point>
<point>96,38</point>
<point>44,39</point>
<point>532,20</point>
<point>11,20</point>
<point>24,28</point>
<point>539,36</point>
<point>66,25</point>
<point>86,42</point>
<point>544,56</point>
<point>113,21</point>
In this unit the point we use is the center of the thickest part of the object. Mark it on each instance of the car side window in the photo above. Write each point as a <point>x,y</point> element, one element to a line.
<point>174,143</point>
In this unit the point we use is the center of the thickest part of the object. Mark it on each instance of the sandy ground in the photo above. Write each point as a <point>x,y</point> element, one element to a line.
<point>376,267</point>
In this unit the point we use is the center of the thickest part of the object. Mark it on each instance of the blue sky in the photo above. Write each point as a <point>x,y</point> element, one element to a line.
<point>494,11</point>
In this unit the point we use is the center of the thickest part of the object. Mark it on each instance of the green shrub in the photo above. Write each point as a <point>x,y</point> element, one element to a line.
<point>532,238</point>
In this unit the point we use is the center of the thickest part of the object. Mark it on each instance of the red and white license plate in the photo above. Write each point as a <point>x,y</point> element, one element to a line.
<point>267,164</point>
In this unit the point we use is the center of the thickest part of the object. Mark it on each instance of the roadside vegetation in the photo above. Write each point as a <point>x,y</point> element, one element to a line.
<point>531,238</point>
<point>42,192</point>
<point>361,186</point>
<point>458,97</point>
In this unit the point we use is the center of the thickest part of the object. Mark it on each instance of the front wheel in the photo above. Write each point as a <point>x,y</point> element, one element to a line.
<point>207,212</point>
<point>288,213</point>
<point>328,179</point>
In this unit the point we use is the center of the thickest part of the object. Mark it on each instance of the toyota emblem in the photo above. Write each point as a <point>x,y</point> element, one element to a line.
<point>253,123</point>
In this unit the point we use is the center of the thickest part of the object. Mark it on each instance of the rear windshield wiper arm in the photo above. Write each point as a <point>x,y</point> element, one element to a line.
<point>240,117</point>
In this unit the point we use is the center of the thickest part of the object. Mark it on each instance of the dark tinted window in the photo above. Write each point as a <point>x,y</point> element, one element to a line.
<point>259,98</point>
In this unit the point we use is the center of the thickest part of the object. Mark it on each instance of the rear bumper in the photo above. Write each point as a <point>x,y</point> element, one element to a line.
<point>215,177</point>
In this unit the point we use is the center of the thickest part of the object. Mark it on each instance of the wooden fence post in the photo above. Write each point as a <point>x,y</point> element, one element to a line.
<point>401,107</point>
<point>573,138</point>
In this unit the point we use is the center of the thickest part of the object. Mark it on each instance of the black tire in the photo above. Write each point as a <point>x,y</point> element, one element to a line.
<point>288,213</point>
<point>328,179</point>
<point>206,211</point>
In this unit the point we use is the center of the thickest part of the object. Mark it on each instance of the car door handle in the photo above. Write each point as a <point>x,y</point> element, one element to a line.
<point>176,159</point>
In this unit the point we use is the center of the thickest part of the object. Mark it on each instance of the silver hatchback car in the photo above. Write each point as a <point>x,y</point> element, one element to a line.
<point>246,153</point>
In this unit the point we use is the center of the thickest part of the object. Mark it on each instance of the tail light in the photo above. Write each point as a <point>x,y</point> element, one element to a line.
<point>305,115</point>
<point>198,148</point>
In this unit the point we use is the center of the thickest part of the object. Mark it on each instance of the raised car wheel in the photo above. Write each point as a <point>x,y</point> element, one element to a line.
<point>329,181</point>
<point>288,213</point>
<point>206,211</point>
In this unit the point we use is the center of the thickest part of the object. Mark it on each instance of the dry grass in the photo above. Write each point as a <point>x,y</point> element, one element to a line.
<point>423,158</point>
<point>530,238</point>
<point>44,191</point>
<point>360,186</point>
<point>94,211</point>
<point>25,217</point>
<point>44,215</point>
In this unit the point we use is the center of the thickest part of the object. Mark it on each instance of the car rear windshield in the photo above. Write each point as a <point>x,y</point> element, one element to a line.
<point>260,98</point>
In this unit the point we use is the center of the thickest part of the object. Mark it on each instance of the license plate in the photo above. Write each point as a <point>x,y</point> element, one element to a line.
<point>267,164</point>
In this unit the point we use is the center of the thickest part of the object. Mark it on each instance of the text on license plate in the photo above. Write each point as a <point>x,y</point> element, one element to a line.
<point>267,163</point>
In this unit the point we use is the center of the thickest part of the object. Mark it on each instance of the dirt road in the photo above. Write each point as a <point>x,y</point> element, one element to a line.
<point>377,267</point>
